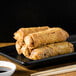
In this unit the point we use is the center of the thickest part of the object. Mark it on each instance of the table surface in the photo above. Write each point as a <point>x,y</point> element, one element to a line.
<point>23,71</point>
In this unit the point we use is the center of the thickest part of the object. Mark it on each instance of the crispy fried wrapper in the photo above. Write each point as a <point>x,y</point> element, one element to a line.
<point>18,46</point>
<point>51,35</point>
<point>51,50</point>
<point>22,32</point>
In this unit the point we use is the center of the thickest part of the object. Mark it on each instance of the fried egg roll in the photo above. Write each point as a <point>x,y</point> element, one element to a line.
<point>22,32</point>
<point>51,50</point>
<point>51,35</point>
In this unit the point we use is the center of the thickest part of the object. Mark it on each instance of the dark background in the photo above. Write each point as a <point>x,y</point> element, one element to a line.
<point>16,14</point>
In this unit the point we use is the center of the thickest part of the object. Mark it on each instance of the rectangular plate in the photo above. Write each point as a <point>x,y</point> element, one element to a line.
<point>10,52</point>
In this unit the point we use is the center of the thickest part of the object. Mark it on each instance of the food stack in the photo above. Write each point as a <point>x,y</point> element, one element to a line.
<point>42,42</point>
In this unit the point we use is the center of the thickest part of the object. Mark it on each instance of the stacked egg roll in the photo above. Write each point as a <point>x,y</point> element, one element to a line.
<point>23,32</point>
<point>49,50</point>
<point>45,43</point>
<point>51,35</point>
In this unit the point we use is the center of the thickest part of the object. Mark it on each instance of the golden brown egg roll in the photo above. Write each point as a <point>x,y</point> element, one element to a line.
<point>51,50</point>
<point>51,35</point>
<point>22,32</point>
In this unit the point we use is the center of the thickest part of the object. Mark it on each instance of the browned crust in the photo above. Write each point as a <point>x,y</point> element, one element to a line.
<point>18,46</point>
<point>51,50</point>
<point>51,35</point>
<point>22,32</point>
